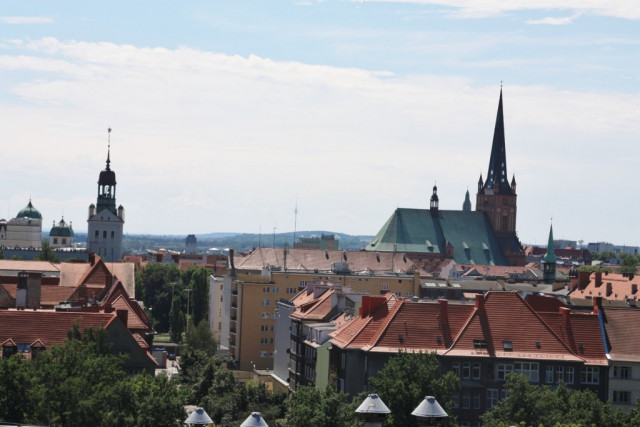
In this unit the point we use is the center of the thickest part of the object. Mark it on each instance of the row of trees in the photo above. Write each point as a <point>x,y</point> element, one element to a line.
<point>169,296</point>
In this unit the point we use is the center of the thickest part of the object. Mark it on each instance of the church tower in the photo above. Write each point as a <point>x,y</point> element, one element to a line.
<point>549,261</point>
<point>105,220</point>
<point>497,197</point>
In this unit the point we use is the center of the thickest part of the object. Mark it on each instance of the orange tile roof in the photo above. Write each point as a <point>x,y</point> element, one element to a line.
<point>36,266</point>
<point>612,287</point>
<point>311,259</point>
<point>49,295</point>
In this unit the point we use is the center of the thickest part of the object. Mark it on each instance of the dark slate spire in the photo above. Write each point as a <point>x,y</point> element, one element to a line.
<point>549,261</point>
<point>550,256</point>
<point>497,175</point>
<point>466,206</point>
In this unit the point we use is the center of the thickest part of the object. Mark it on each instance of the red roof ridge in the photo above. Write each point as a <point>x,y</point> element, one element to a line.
<point>383,326</point>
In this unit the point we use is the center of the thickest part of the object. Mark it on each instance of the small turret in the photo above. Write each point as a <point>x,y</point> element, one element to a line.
<point>549,260</point>
<point>121,212</point>
<point>513,183</point>
<point>466,206</point>
<point>434,200</point>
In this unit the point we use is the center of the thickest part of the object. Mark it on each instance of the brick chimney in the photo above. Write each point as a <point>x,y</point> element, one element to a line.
<point>480,303</point>
<point>598,279</point>
<point>92,258</point>
<point>609,289</point>
<point>123,316</point>
<point>583,279</point>
<point>444,311</point>
<point>566,316</point>
<point>634,288</point>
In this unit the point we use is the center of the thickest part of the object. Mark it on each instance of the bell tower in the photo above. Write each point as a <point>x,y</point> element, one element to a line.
<point>497,197</point>
<point>105,221</point>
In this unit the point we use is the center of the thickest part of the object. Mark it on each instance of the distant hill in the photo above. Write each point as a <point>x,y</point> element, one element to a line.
<point>240,242</point>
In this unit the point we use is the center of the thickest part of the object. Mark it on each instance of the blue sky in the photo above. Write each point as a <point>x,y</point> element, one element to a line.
<point>224,114</point>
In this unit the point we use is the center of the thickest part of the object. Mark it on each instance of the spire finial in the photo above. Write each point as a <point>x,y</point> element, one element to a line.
<point>500,84</point>
<point>108,147</point>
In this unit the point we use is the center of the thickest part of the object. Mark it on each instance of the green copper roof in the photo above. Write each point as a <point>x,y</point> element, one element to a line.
<point>550,256</point>
<point>61,229</point>
<point>466,206</point>
<point>30,212</point>
<point>418,230</point>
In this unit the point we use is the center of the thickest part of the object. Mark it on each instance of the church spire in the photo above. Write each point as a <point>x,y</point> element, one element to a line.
<point>108,148</point>
<point>466,206</point>
<point>549,260</point>
<point>497,175</point>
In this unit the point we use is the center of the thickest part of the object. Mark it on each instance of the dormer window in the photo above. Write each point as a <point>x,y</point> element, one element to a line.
<point>479,344</point>
<point>507,345</point>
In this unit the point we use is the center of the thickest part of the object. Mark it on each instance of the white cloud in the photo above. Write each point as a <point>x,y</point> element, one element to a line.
<point>483,8</point>
<point>554,21</point>
<point>19,20</point>
<point>210,142</point>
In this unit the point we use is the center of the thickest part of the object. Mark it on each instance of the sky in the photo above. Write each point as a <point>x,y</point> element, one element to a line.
<point>229,116</point>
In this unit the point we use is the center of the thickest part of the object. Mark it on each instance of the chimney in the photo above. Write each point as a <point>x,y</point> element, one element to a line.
<point>123,316</point>
<point>480,303</point>
<point>597,302</point>
<point>566,316</point>
<point>231,263</point>
<point>583,279</point>
<point>598,279</point>
<point>609,289</point>
<point>444,311</point>
<point>34,289</point>
<point>634,288</point>
<point>92,258</point>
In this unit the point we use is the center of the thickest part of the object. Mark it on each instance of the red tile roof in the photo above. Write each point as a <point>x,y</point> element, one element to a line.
<point>612,287</point>
<point>504,317</point>
<point>623,333</point>
<point>50,327</point>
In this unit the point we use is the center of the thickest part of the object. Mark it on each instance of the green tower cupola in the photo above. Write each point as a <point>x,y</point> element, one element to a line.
<point>29,212</point>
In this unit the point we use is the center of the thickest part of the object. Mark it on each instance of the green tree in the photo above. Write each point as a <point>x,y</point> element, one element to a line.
<point>406,380</point>
<point>309,406</point>
<point>534,405</point>
<point>47,253</point>
<point>156,283</point>
<point>200,284</point>
<point>177,320</point>
<point>201,338</point>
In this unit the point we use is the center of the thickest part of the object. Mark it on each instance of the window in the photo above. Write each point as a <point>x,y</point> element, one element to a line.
<point>263,340</point>
<point>8,351</point>
<point>302,284</point>
<point>621,396</point>
<point>265,289</point>
<point>97,234</point>
<point>104,234</point>
<point>456,400</point>
<point>291,290</point>
<point>113,234</point>
<point>621,372</point>
<point>492,397</point>
<point>264,328</point>
<point>466,400</point>
<point>263,354</point>
<point>275,290</point>
<point>530,369</point>
<point>503,370</point>
<point>265,302</point>
<point>476,399</point>
<point>455,367</point>
<point>590,375</point>
<point>554,374</point>
<point>475,371</point>
<point>466,370</point>
<point>24,348</point>
<point>55,240</point>
<point>384,287</point>
<point>265,315</point>
<point>479,344</point>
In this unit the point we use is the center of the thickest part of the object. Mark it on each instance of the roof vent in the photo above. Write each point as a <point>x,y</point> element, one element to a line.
<point>581,346</point>
<point>439,339</point>
<point>479,343</point>
<point>400,337</point>
<point>537,344</point>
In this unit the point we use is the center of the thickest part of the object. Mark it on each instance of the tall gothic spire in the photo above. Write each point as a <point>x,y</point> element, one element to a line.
<point>497,175</point>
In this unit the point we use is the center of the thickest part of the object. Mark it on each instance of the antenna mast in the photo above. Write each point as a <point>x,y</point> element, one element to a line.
<point>295,223</point>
